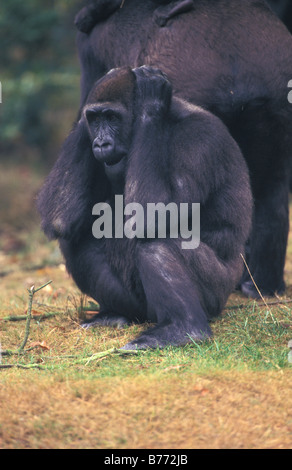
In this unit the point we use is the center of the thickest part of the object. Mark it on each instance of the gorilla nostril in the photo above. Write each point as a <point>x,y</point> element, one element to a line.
<point>102,146</point>
<point>106,145</point>
<point>104,149</point>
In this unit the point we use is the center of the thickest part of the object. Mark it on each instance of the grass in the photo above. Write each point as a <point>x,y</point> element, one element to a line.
<point>244,339</point>
<point>234,391</point>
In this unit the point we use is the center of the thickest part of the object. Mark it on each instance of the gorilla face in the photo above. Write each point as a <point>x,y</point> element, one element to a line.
<point>109,121</point>
<point>108,130</point>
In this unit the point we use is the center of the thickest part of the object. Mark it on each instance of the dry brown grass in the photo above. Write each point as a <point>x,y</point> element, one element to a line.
<point>216,410</point>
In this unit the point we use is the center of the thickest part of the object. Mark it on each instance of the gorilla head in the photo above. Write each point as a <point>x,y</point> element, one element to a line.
<point>109,118</point>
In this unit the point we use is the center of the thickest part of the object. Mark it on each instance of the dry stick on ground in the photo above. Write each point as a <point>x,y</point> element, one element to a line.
<point>260,304</point>
<point>31,292</point>
<point>110,352</point>
<point>35,315</point>
<point>21,366</point>
<point>95,357</point>
<point>40,316</point>
<point>260,294</point>
<point>248,270</point>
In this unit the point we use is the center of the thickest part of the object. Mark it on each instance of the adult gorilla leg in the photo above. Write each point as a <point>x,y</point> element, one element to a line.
<point>172,301</point>
<point>266,153</point>
<point>93,275</point>
<point>267,248</point>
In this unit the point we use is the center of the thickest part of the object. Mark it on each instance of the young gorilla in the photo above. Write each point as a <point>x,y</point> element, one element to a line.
<point>151,147</point>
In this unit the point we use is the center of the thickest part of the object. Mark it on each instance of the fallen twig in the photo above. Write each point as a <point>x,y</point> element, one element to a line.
<point>86,361</point>
<point>91,308</point>
<point>37,317</point>
<point>8,352</point>
<point>254,283</point>
<point>31,293</point>
<point>20,366</point>
<point>11,352</point>
<point>20,350</point>
<point>109,352</point>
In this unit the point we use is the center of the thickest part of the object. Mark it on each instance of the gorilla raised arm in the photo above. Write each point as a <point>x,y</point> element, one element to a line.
<point>151,148</point>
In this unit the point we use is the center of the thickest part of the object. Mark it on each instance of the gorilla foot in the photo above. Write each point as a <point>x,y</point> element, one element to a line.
<point>249,290</point>
<point>106,319</point>
<point>162,336</point>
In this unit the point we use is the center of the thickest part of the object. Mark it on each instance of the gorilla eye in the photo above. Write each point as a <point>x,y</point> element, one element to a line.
<point>111,116</point>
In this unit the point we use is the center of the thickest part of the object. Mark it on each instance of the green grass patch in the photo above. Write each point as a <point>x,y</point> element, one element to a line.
<point>249,338</point>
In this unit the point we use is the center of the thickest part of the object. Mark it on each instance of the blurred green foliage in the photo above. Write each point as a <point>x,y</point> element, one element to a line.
<point>39,73</point>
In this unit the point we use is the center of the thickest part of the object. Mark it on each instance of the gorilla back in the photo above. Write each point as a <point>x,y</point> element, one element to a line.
<point>152,148</point>
<point>231,57</point>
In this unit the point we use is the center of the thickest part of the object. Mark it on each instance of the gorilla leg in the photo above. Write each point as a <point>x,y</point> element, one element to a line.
<point>172,300</point>
<point>266,153</point>
<point>268,242</point>
<point>93,275</point>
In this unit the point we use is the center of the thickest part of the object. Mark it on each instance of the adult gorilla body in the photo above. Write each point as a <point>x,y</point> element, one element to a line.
<point>151,147</point>
<point>231,57</point>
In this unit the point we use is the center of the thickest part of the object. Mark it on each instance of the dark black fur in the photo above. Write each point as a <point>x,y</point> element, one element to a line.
<point>233,58</point>
<point>283,8</point>
<point>95,12</point>
<point>160,149</point>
